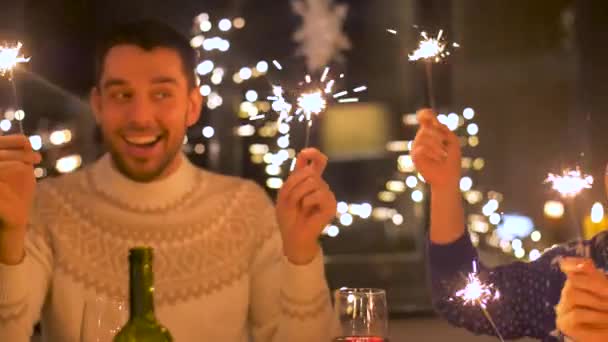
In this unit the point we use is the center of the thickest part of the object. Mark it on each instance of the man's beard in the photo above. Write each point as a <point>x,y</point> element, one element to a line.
<point>144,176</point>
<point>141,176</point>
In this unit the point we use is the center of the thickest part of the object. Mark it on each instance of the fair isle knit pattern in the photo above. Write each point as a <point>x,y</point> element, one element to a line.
<point>217,256</point>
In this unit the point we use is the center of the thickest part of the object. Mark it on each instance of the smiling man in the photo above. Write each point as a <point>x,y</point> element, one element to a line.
<point>227,265</point>
<point>144,103</point>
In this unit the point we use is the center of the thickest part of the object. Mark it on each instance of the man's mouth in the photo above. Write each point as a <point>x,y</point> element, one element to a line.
<point>142,140</point>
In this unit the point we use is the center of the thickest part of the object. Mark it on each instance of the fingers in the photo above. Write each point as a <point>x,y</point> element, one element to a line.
<point>7,206</point>
<point>294,180</point>
<point>305,188</point>
<point>313,157</point>
<point>431,142</point>
<point>17,148</point>
<point>26,156</point>
<point>322,199</point>
<point>320,208</point>
<point>431,136</point>
<point>574,321</point>
<point>312,200</point>
<point>583,275</point>
<point>578,298</point>
<point>11,167</point>
<point>310,162</point>
<point>573,298</point>
<point>593,283</point>
<point>426,118</point>
<point>450,137</point>
<point>429,152</point>
<point>576,265</point>
<point>14,142</point>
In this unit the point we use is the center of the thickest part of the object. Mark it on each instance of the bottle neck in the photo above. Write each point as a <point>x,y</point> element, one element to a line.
<point>141,289</point>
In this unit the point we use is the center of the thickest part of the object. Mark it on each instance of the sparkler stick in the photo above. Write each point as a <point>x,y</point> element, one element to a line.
<point>308,129</point>
<point>429,84</point>
<point>489,318</point>
<point>16,99</point>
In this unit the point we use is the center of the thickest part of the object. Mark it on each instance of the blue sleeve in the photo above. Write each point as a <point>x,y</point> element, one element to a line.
<point>528,291</point>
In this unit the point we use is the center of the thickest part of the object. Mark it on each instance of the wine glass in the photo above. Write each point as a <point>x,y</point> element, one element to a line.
<point>102,319</point>
<point>363,315</point>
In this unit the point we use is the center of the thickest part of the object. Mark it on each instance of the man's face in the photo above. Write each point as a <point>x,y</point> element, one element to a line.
<point>143,105</point>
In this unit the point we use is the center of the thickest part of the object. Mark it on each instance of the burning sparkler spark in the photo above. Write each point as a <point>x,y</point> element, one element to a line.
<point>429,48</point>
<point>476,292</point>
<point>9,58</point>
<point>312,99</point>
<point>312,103</point>
<point>570,183</point>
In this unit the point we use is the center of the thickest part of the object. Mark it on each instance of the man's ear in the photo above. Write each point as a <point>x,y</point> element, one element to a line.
<point>195,104</point>
<point>95,102</point>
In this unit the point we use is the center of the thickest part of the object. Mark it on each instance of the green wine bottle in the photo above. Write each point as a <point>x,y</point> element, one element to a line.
<point>142,325</point>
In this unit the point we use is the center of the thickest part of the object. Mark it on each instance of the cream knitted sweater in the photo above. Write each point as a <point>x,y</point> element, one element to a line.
<point>220,274</point>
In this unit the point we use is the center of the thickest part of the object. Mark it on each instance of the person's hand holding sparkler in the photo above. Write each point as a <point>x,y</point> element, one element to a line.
<point>305,205</point>
<point>17,184</point>
<point>436,151</point>
<point>582,313</point>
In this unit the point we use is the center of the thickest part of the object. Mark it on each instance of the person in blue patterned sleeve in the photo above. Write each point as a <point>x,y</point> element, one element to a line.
<point>557,292</point>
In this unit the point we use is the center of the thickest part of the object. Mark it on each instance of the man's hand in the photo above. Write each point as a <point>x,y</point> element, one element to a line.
<point>17,185</point>
<point>582,313</point>
<point>305,205</point>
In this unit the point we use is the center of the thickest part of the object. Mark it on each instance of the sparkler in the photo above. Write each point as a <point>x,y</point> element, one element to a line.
<point>430,50</point>
<point>569,185</point>
<point>311,103</point>
<point>9,59</point>
<point>310,98</point>
<point>478,293</point>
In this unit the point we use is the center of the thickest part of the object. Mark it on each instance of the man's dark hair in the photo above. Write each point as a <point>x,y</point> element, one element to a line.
<point>148,35</point>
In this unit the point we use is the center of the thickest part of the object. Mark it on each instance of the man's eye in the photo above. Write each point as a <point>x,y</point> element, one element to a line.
<point>162,95</point>
<point>121,95</point>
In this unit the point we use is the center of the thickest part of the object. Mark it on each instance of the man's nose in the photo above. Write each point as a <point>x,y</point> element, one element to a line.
<point>141,112</point>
